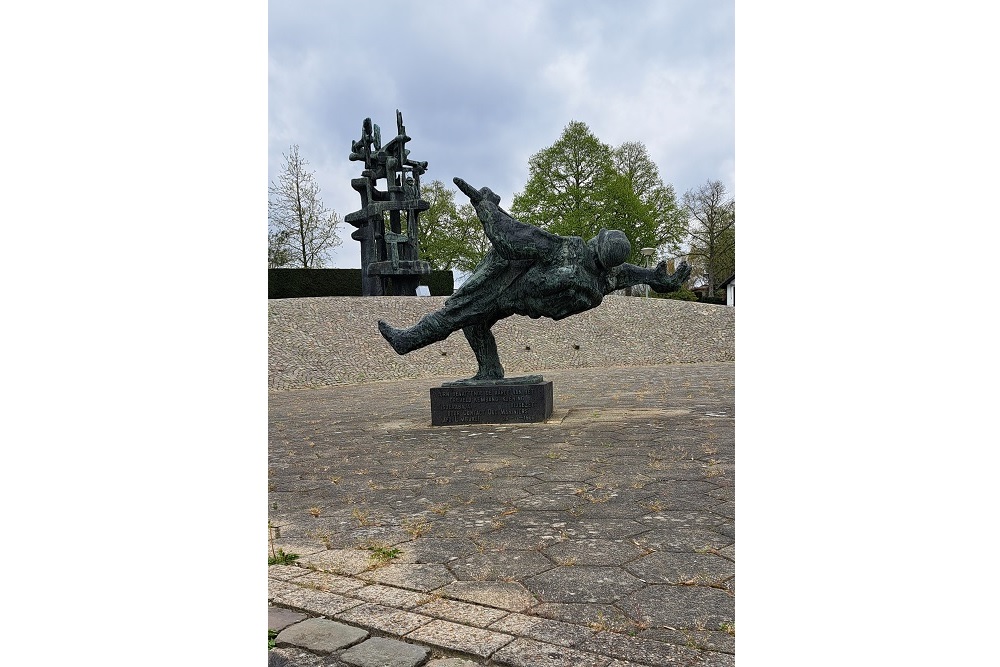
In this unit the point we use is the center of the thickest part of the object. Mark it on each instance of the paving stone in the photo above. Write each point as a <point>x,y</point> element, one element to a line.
<point>682,539</point>
<point>420,577</point>
<point>500,565</point>
<point>531,653</point>
<point>706,640</point>
<point>711,659</point>
<point>339,561</point>
<point>547,502</point>
<point>381,652</point>
<point>511,596</point>
<point>568,489</point>
<point>542,629</point>
<point>589,615</point>
<point>461,638</point>
<point>327,581</point>
<point>572,471</point>
<point>618,511</point>
<point>688,607</point>
<point>635,649</point>
<point>313,601</point>
<point>659,503</point>
<point>683,488</point>
<point>593,528</point>
<point>511,536</point>
<point>583,584</point>
<point>279,619</point>
<point>390,596</point>
<point>286,572</point>
<point>461,612</point>
<point>278,587</point>
<point>594,552</point>
<point>383,535</point>
<point>452,662</point>
<point>675,567</point>
<point>436,550</point>
<point>290,656</point>
<point>682,519</point>
<point>320,635</point>
<point>384,619</point>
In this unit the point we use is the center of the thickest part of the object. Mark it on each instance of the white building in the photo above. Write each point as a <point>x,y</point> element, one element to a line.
<point>730,285</point>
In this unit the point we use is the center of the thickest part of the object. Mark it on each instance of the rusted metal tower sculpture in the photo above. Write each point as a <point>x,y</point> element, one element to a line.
<point>390,254</point>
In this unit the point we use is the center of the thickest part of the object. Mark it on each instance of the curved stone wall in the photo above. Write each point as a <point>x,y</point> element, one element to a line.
<point>318,342</point>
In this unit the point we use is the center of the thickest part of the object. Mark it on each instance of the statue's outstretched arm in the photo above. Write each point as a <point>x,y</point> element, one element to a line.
<point>628,275</point>
<point>511,238</point>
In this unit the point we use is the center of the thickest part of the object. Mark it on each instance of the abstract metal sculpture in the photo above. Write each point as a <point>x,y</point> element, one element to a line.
<point>390,254</point>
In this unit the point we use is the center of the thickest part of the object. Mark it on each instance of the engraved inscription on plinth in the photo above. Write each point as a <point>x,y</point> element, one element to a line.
<point>491,404</point>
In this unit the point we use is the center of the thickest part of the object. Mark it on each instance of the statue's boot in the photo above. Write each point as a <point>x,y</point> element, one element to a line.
<point>430,329</point>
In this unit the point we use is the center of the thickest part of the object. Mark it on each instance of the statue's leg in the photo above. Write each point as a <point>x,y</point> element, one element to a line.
<point>485,346</point>
<point>430,329</point>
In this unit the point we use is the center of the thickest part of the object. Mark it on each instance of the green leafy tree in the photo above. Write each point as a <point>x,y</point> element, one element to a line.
<point>579,185</point>
<point>637,202</point>
<point>298,222</point>
<point>712,232</point>
<point>566,185</point>
<point>451,236</point>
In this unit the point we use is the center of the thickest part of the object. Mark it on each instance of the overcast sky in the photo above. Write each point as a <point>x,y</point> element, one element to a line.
<point>484,85</point>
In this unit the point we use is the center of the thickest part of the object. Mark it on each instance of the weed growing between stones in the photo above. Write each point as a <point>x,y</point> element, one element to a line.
<point>382,554</point>
<point>277,557</point>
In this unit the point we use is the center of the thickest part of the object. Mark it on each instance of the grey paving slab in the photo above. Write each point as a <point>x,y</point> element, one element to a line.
<point>451,662</point>
<point>390,596</point>
<point>530,653</point>
<point>672,567</point>
<point>705,640</point>
<point>383,619</point>
<point>636,649</point>
<point>689,607</point>
<point>320,635</point>
<point>500,565</point>
<point>595,551</point>
<point>326,581</point>
<point>507,595</point>
<point>312,601</point>
<point>542,629</point>
<point>442,550</point>
<point>339,561</point>
<point>588,615</point>
<point>290,656</point>
<point>462,612</point>
<point>583,584</point>
<point>279,618</point>
<point>382,652</point>
<point>415,576</point>
<point>696,540</point>
<point>286,572</point>
<point>460,638</point>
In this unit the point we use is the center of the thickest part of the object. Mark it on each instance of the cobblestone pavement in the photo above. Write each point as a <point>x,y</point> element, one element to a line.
<point>602,537</point>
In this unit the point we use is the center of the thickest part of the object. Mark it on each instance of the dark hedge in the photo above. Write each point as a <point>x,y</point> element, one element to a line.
<point>294,283</point>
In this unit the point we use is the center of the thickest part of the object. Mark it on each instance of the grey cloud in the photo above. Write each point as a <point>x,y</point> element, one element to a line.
<point>483,85</point>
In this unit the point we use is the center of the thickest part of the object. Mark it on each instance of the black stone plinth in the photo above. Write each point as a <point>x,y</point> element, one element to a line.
<point>491,404</point>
